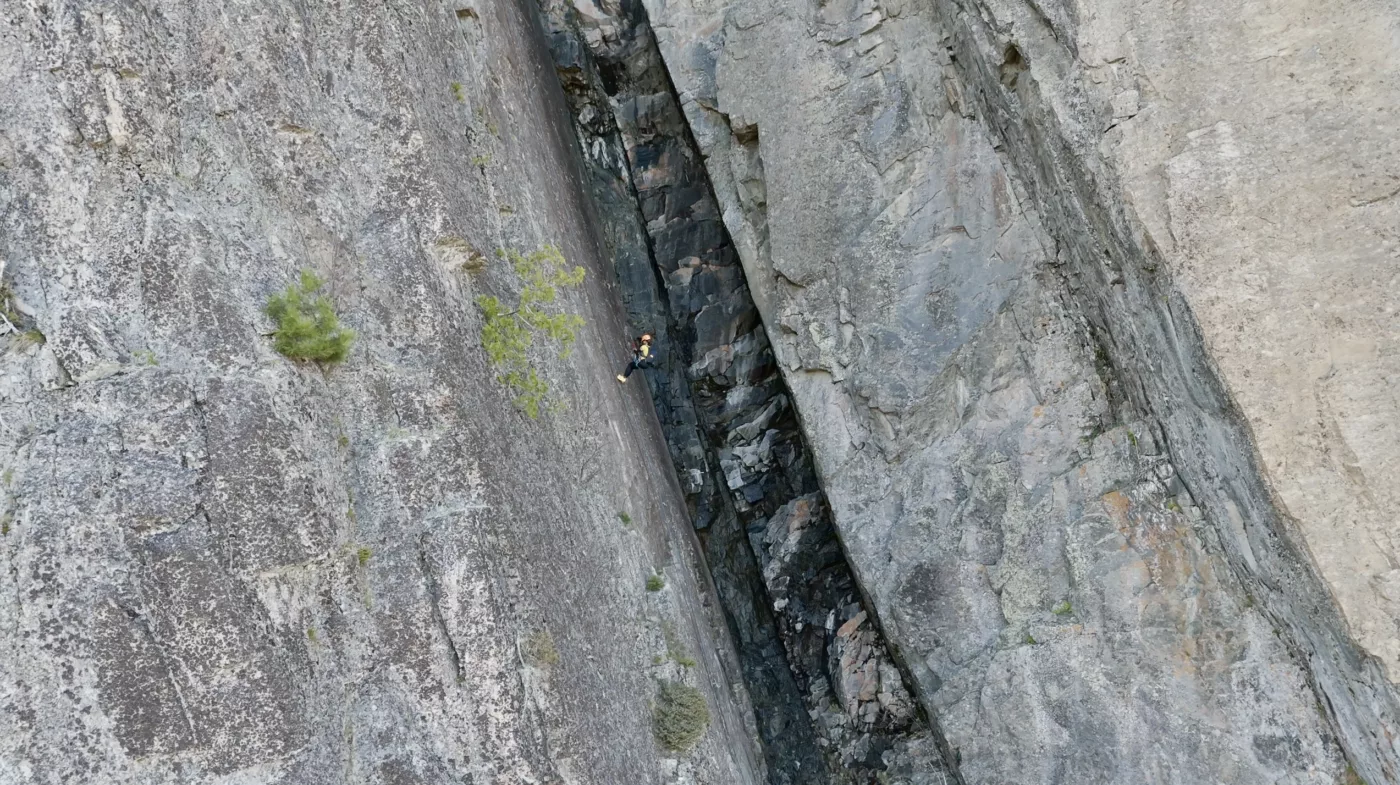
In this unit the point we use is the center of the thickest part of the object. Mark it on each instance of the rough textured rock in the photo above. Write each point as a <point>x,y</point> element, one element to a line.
<point>1028,369</point>
<point>830,704</point>
<point>221,566</point>
<point>1053,505</point>
<point>1239,273</point>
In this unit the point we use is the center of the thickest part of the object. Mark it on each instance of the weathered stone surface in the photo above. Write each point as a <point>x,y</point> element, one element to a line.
<point>731,425</point>
<point>1249,255</point>
<point>1006,420</point>
<point>1087,312</point>
<point>221,566</point>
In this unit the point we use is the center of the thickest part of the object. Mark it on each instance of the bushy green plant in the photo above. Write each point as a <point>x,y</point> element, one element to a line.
<point>509,333</point>
<point>655,583</point>
<point>680,717</point>
<point>8,305</point>
<point>307,327</point>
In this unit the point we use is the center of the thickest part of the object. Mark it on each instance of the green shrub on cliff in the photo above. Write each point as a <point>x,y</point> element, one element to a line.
<point>680,717</point>
<point>307,327</point>
<point>509,332</point>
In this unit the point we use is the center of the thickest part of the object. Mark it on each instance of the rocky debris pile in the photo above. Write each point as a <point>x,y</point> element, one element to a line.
<point>855,691</point>
<point>868,684</point>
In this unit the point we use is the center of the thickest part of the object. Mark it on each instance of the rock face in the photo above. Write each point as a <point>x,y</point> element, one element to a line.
<point>1240,274</point>
<point>222,566</point>
<point>1001,251</point>
<point>830,704</point>
<point>1025,392</point>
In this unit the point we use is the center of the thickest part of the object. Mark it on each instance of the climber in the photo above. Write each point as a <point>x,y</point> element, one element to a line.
<point>641,357</point>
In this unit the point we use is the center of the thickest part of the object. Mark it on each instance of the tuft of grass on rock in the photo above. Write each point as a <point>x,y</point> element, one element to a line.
<point>680,717</point>
<point>1062,608</point>
<point>362,556</point>
<point>307,327</point>
<point>1350,777</point>
<point>9,307</point>
<point>29,338</point>
<point>655,582</point>
<point>675,649</point>
<point>539,650</point>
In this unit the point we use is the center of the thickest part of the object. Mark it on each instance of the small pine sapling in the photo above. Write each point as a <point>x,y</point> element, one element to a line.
<point>307,327</point>
<point>509,333</point>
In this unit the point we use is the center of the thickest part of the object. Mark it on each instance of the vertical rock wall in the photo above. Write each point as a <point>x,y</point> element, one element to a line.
<point>1047,497</point>
<point>1075,322</point>
<point>1220,185</point>
<point>831,704</point>
<point>217,565</point>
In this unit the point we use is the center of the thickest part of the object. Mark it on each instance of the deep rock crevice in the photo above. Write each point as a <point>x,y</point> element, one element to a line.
<point>990,374</point>
<point>831,702</point>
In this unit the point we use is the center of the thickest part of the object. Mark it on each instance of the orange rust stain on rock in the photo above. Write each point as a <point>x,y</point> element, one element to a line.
<point>850,626</point>
<point>1118,505</point>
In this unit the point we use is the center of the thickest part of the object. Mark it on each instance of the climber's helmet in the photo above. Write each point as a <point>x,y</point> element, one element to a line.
<point>646,338</point>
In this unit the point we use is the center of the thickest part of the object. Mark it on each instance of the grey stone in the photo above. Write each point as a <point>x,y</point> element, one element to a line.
<point>222,566</point>
<point>740,406</point>
<point>952,282</point>
<point>1074,321</point>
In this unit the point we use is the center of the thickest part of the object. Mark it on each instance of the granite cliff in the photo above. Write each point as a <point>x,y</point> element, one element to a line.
<point>1024,408</point>
<point>1088,310</point>
<point>224,566</point>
